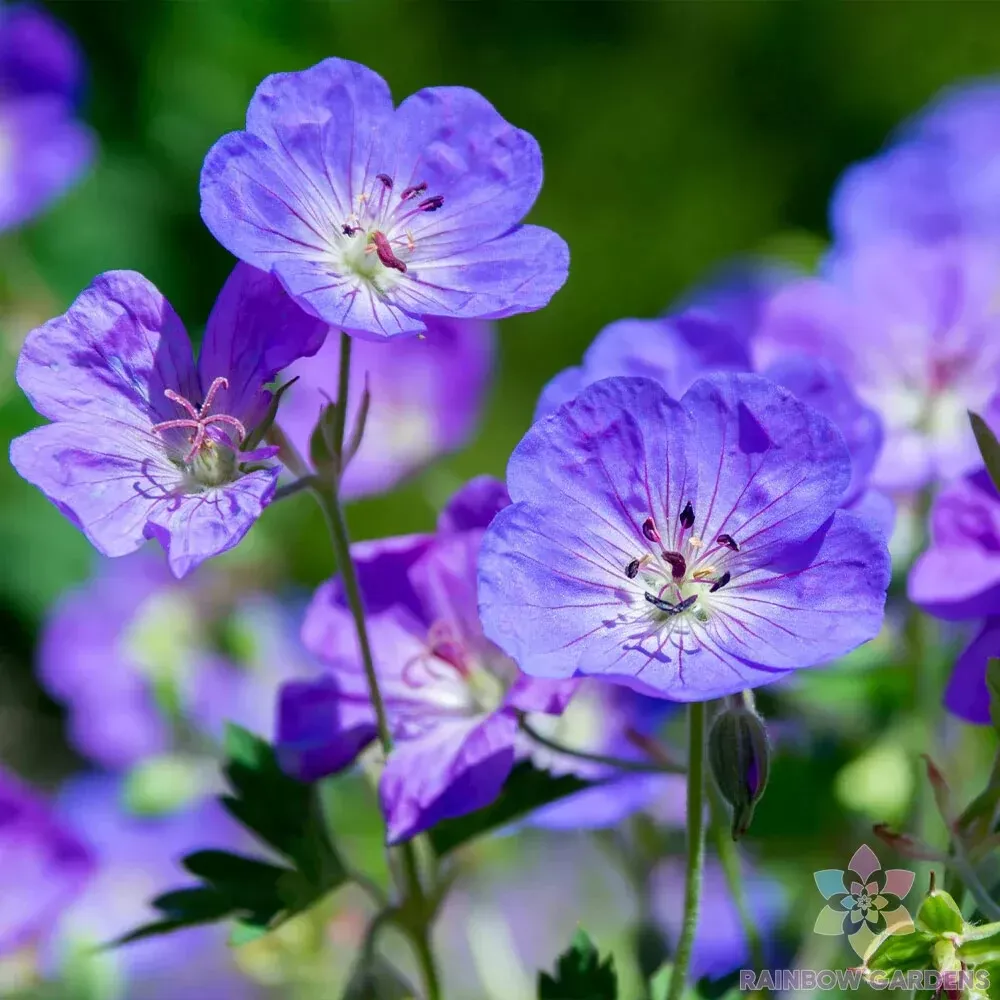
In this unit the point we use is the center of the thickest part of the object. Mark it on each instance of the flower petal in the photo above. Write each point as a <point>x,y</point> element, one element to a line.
<point>770,468</point>
<point>967,695</point>
<point>474,505</point>
<point>45,151</point>
<point>37,55</point>
<point>812,602</point>
<point>318,731</point>
<point>514,273</point>
<point>107,485</point>
<point>488,171</point>
<point>198,526</point>
<point>254,330</point>
<point>110,357</point>
<point>458,767</point>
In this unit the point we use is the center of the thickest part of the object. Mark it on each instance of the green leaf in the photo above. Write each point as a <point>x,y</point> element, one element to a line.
<point>979,945</point>
<point>989,447</point>
<point>580,974</point>
<point>527,789</point>
<point>903,952</point>
<point>993,685</point>
<point>939,914</point>
<point>284,814</point>
<point>992,972</point>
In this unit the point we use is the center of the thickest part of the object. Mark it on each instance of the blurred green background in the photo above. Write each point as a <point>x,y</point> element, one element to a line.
<point>676,137</point>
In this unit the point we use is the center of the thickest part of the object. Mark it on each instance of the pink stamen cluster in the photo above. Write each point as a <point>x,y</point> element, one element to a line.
<point>199,421</point>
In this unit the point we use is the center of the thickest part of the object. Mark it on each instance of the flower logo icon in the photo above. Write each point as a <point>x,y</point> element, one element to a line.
<point>864,901</point>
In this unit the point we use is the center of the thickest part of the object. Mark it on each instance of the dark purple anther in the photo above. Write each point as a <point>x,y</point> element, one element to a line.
<point>687,516</point>
<point>660,603</point>
<point>431,204</point>
<point>720,583</point>
<point>678,564</point>
<point>632,569</point>
<point>385,254</point>
<point>649,530</point>
<point>729,542</point>
<point>349,230</point>
<point>385,179</point>
<point>412,192</point>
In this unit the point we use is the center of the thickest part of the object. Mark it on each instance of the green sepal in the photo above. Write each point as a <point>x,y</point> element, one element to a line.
<point>939,914</point>
<point>901,952</point>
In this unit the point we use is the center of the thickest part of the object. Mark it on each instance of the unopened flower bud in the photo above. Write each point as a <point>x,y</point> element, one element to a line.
<point>739,754</point>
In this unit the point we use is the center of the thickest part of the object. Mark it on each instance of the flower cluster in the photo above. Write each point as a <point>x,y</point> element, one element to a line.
<point>701,507</point>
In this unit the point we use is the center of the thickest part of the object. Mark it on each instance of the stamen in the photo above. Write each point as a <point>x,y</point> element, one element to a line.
<point>217,384</point>
<point>687,516</point>
<point>411,192</point>
<point>431,204</point>
<point>720,583</point>
<point>661,604</point>
<point>198,422</point>
<point>704,573</point>
<point>349,230</point>
<point>632,569</point>
<point>181,401</point>
<point>677,562</point>
<point>729,542</point>
<point>649,530</point>
<point>385,254</point>
<point>667,607</point>
<point>385,179</point>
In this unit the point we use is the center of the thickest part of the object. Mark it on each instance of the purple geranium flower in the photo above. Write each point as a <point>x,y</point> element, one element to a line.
<point>144,444</point>
<point>375,217</point>
<point>451,695</point>
<point>43,866</point>
<point>43,147</point>
<point>689,549</point>
<point>716,331</point>
<point>916,332</point>
<point>958,579</point>
<point>138,858</point>
<point>139,657</point>
<point>426,397</point>
<point>939,178</point>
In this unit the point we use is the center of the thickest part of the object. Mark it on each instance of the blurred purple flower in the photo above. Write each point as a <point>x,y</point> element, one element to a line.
<point>687,549</point>
<point>605,719</point>
<point>916,332</point>
<point>938,178</point>
<point>375,217</point>
<point>43,866</point>
<point>143,443</point>
<point>715,331</point>
<point>43,147</point>
<point>451,696</point>
<point>138,859</point>
<point>958,579</point>
<point>134,652</point>
<point>426,398</point>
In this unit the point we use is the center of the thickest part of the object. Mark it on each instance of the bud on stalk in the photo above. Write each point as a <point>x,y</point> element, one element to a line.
<point>739,755</point>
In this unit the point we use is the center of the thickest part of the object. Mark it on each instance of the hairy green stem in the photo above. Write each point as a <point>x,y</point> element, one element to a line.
<point>695,848</point>
<point>328,496</point>
<point>730,860</point>
<point>621,763</point>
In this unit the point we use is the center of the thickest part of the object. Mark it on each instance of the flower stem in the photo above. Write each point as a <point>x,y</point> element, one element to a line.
<point>330,503</point>
<point>328,496</point>
<point>695,848</point>
<point>621,763</point>
<point>730,860</point>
